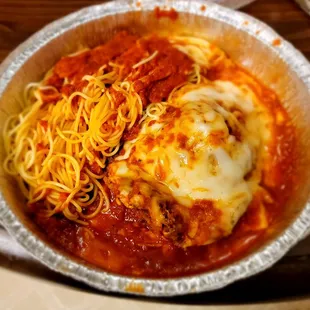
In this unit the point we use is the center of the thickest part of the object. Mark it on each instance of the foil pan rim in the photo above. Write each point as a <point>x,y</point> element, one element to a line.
<point>105,281</point>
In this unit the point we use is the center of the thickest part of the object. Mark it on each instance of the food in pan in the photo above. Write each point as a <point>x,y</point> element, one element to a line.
<point>152,156</point>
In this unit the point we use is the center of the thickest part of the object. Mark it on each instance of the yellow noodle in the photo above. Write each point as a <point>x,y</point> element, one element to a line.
<point>51,147</point>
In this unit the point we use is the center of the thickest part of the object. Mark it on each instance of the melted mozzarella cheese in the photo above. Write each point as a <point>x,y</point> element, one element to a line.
<point>198,150</point>
<point>257,118</point>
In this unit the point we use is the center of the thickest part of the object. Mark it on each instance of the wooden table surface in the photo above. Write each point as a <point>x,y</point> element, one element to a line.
<point>288,279</point>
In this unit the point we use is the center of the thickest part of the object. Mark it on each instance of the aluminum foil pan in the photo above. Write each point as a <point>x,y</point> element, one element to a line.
<point>248,41</point>
<point>234,4</point>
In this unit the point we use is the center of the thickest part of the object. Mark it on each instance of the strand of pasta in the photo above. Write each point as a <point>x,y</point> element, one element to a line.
<point>51,147</point>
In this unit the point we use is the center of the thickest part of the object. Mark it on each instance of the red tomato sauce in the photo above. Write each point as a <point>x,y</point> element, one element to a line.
<point>160,13</point>
<point>120,241</point>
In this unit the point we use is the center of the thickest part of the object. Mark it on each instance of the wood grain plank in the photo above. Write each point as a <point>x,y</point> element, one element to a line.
<point>287,19</point>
